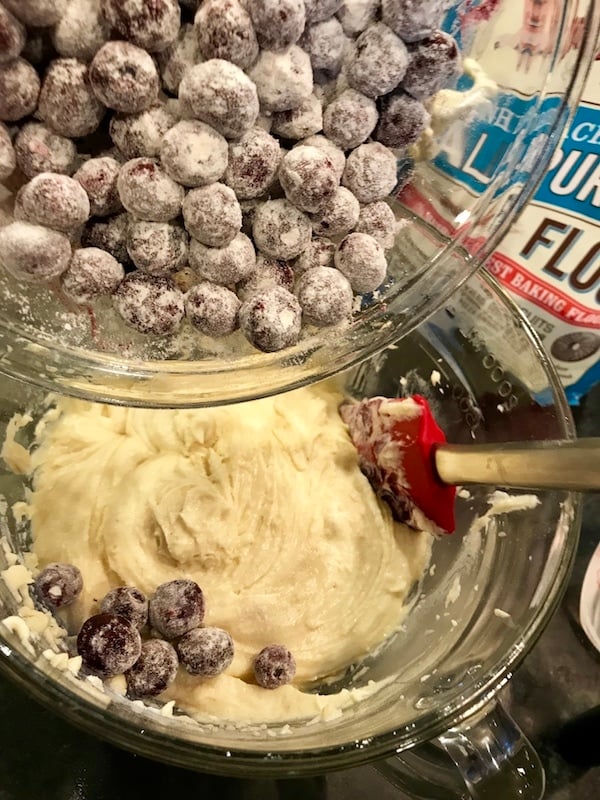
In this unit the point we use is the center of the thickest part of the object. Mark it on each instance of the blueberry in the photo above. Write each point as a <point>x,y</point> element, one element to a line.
<point>108,644</point>
<point>154,670</point>
<point>128,602</point>
<point>274,666</point>
<point>402,120</point>
<point>206,651</point>
<point>412,20</point>
<point>271,319</point>
<point>432,63</point>
<point>325,296</point>
<point>176,608</point>
<point>58,584</point>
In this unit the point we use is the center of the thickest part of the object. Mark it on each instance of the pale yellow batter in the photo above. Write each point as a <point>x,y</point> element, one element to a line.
<point>263,504</point>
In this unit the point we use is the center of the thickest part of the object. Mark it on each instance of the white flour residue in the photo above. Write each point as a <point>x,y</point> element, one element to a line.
<point>404,409</point>
<point>503,503</point>
<point>449,106</point>
<point>453,592</point>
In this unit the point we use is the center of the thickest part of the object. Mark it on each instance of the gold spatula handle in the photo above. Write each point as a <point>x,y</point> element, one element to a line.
<point>573,465</point>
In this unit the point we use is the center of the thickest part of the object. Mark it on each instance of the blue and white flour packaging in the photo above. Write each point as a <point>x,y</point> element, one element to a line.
<point>549,259</point>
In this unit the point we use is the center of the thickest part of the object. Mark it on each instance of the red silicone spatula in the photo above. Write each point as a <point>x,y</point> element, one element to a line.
<point>394,440</point>
<point>403,452</point>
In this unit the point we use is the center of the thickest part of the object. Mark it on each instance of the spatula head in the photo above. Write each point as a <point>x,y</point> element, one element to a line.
<point>396,441</point>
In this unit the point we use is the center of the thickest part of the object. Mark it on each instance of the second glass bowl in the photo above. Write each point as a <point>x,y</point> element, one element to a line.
<point>477,613</point>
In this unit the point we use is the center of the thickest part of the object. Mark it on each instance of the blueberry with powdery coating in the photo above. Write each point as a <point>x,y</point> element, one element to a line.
<point>280,229</point>
<point>269,272</point>
<point>325,296</point>
<point>222,95</point>
<point>378,62</point>
<point>141,135</point>
<point>194,154</point>
<point>12,36</point>
<point>206,652</point>
<point>81,31</point>
<point>92,273</point>
<point>300,122</point>
<point>225,30</point>
<point>148,192</point>
<point>124,77</point>
<point>274,666</point>
<point>108,645</point>
<point>378,220</point>
<point>212,214</point>
<point>53,200</point>
<point>8,157</point>
<point>357,15</point>
<point>149,303</point>
<point>176,607</point>
<point>158,248</point>
<point>59,585</point>
<point>412,20</point>
<point>98,177</point>
<point>350,119</point>
<point>434,61</point>
<point>278,23</point>
<point>224,265</point>
<point>319,253</point>
<point>37,13</point>
<point>335,153</point>
<point>362,260</point>
<point>308,178</point>
<point>67,102</point>
<point>154,671</point>
<point>319,10</point>
<point>283,79</point>
<point>253,164</point>
<point>402,120</point>
<point>325,43</point>
<point>19,89</point>
<point>33,253</point>
<point>338,216</point>
<point>271,319</point>
<point>150,24</point>
<point>212,309</point>
<point>371,172</point>
<point>127,602</point>
<point>38,149</point>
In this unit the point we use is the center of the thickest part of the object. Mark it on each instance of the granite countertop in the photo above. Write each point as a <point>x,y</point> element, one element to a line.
<point>553,697</point>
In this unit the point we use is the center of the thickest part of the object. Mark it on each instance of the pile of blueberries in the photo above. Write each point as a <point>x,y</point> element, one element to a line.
<point>110,643</point>
<point>242,152</point>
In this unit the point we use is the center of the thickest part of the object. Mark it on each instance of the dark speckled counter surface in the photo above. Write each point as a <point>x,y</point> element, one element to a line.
<point>552,696</point>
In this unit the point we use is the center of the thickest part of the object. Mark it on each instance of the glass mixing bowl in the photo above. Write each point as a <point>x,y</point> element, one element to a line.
<point>491,144</point>
<point>490,591</point>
